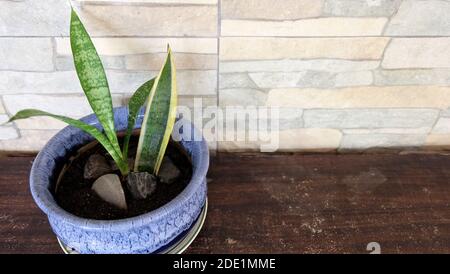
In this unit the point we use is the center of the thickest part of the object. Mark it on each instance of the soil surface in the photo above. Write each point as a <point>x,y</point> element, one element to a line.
<point>73,193</point>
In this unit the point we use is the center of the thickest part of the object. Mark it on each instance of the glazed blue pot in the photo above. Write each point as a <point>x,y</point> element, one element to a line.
<point>141,234</point>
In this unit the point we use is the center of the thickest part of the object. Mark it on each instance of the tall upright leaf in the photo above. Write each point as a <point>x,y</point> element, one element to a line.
<point>97,134</point>
<point>136,102</point>
<point>92,77</point>
<point>159,119</point>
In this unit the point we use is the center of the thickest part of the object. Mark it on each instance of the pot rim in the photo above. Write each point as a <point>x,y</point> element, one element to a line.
<point>46,202</point>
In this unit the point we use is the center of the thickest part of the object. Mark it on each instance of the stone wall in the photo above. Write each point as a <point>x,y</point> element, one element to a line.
<point>346,74</point>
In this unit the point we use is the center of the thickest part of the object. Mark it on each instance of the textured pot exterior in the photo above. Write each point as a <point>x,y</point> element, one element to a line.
<point>141,234</point>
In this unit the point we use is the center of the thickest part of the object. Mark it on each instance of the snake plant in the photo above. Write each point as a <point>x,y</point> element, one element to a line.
<point>160,94</point>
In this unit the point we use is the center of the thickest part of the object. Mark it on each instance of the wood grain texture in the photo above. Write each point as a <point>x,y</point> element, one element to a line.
<point>284,203</point>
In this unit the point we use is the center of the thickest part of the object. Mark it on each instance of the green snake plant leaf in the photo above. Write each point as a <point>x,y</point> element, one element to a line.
<point>92,77</point>
<point>159,119</point>
<point>136,102</point>
<point>93,131</point>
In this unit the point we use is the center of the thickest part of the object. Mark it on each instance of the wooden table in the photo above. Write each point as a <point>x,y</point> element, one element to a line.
<point>284,203</point>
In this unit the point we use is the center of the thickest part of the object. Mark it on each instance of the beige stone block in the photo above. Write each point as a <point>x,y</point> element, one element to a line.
<point>40,123</point>
<point>362,97</point>
<point>182,61</point>
<point>358,78</point>
<point>311,139</point>
<point>421,18</point>
<point>438,141</point>
<point>289,65</point>
<point>264,9</point>
<point>8,133</point>
<point>132,45</point>
<point>72,106</point>
<point>264,48</point>
<point>417,53</point>
<point>381,141</point>
<point>30,141</point>
<point>133,20</point>
<point>442,126</point>
<point>15,54</point>
<point>197,2</point>
<point>337,26</point>
<point>242,97</point>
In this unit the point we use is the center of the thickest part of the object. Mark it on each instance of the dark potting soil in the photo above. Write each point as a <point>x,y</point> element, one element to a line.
<point>74,193</point>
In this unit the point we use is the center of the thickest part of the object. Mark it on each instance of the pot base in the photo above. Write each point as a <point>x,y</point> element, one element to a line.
<point>177,246</point>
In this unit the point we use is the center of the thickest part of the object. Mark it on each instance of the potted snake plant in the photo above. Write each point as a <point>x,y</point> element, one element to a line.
<point>115,181</point>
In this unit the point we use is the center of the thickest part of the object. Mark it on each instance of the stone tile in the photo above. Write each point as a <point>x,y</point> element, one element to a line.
<point>66,82</point>
<point>309,139</point>
<point>131,20</point>
<point>442,126</point>
<point>349,79</point>
<point>252,48</point>
<point>377,141</point>
<point>362,97</point>
<point>369,118</point>
<point>276,79</point>
<point>337,26</point>
<point>137,45</point>
<point>235,80</point>
<point>289,65</point>
<point>197,2</point>
<point>263,9</point>
<point>29,141</point>
<point>30,54</point>
<point>8,133</point>
<point>109,62</point>
<point>369,8</point>
<point>445,113</point>
<point>314,140</point>
<point>426,18</point>
<point>412,77</point>
<point>74,106</point>
<point>189,82</point>
<point>182,61</point>
<point>437,141</point>
<point>419,130</point>
<point>3,118</point>
<point>34,18</point>
<point>42,122</point>
<point>241,97</point>
<point>288,118</point>
<point>197,82</point>
<point>204,101</point>
<point>417,53</point>
<point>12,82</point>
<point>317,79</point>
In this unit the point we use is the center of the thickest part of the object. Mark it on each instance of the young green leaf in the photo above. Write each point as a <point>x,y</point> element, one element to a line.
<point>159,119</point>
<point>92,77</point>
<point>97,134</point>
<point>136,102</point>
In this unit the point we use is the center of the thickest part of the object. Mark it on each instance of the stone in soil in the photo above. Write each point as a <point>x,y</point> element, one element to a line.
<point>96,166</point>
<point>141,184</point>
<point>109,188</point>
<point>168,172</point>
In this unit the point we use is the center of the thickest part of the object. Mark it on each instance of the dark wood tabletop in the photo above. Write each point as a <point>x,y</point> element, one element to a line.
<point>284,203</point>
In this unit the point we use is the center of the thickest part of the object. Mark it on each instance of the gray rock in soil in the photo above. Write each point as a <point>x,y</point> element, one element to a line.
<point>141,184</point>
<point>168,172</point>
<point>96,166</point>
<point>109,188</point>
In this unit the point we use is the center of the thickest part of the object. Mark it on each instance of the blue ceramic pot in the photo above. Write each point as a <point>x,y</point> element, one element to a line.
<point>141,234</point>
